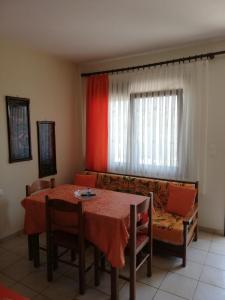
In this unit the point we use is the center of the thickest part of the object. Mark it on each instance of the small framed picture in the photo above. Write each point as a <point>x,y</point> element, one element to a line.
<point>46,148</point>
<point>18,121</point>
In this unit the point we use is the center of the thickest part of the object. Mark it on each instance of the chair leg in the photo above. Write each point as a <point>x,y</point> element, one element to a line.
<point>82,272</point>
<point>96,265</point>
<point>133,278</point>
<point>184,260</point>
<point>35,250</point>
<point>149,260</point>
<point>30,247</point>
<point>49,259</point>
<point>103,261</point>
<point>149,266</point>
<point>196,234</point>
<point>55,257</point>
<point>185,245</point>
<point>114,284</point>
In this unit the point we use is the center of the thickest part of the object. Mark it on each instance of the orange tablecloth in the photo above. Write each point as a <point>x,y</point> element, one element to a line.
<point>106,217</point>
<point>7,294</point>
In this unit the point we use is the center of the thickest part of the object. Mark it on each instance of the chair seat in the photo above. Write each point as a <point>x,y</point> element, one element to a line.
<point>167,227</point>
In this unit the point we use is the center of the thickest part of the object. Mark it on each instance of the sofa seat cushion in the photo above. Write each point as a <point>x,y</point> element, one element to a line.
<point>167,227</point>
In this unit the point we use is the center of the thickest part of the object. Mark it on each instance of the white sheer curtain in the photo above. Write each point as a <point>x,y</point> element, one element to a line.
<point>156,121</point>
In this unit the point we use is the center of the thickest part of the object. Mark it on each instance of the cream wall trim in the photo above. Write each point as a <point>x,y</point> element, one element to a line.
<point>211,230</point>
<point>51,84</point>
<point>11,236</point>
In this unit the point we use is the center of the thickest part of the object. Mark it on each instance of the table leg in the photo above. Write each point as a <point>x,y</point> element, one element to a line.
<point>114,284</point>
<point>36,252</point>
<point>30,247</point>
<point>96,266</point>
<point>103,264</point>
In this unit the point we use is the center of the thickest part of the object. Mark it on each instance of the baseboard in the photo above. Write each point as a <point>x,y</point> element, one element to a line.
<point>211,230</point>
<point>8,237</point>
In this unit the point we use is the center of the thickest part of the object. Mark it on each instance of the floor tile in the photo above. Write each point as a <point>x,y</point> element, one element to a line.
<point>205,235</point>
<point>19,270</point>
<point>218,247</point>
<point>105,283</point>
<point>213,276</point>
<point>215,260</point>
<point>160,295</point>
<point>192,270</point>
<point>218,238</point>
<point>62,288</point>
<point>8,258</point>
<point>37,280</point>
<point>208,292</point>
<point>143,292</point>
<point>202,244</point>
<point>23,290</point>
<point>196,255</point>
<point>6,280</point>
<point>179,285</point>
<point>16,244</point>
<point>2,251</point>
<point>40,297</point>
<point>73,273</point>
<point>166,262</point>
<point>158,275</point>
<point>91,294</point>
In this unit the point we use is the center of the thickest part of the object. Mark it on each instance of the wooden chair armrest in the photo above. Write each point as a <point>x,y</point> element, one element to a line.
<point>190,216</point>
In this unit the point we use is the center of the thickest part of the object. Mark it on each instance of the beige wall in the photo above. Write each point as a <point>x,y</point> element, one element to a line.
<point>51,84</point>
<point>212,200</point>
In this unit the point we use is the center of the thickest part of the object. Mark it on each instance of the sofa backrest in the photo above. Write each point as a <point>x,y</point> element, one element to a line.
<point>140,185</point>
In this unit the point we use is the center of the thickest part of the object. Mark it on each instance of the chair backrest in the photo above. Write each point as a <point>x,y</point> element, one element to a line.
<point>144,207</point>
<point>39,185</point>
<point>54,206</point>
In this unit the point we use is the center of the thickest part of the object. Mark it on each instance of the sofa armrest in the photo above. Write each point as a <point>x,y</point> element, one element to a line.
<point>190,216</point>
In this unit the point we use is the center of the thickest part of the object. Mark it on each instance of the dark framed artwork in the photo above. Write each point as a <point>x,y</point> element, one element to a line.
<point>18,121</point>
<point>46,148</point>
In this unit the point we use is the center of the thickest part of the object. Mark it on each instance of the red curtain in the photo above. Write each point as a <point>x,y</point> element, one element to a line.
<point>97,123</point>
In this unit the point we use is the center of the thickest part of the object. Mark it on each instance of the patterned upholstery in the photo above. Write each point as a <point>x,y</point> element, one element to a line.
<point>113,182</point>
<point>167,227</point>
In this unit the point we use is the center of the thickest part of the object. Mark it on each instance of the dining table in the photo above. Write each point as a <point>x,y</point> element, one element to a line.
<point>106,215</point>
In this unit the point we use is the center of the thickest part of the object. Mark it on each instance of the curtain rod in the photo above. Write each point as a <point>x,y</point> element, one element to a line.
<point>209,55</point>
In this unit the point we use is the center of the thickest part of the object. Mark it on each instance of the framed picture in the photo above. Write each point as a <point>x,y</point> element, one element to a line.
<point>46,148</point>
<point>18,121</point>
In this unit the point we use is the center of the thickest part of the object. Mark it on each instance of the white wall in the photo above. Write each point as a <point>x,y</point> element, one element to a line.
<point>212,200</point>
<point>51,84</point>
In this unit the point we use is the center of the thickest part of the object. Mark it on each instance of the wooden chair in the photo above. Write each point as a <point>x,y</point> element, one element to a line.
<point>36,186</point>
<point>39,185</point>
<point>59,236</point>
<point>139,248</point>
<point>140,239</point>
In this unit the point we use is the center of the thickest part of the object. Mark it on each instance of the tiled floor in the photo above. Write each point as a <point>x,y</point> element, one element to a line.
<point>202,279</point>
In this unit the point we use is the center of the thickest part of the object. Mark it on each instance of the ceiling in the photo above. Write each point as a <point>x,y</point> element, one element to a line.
<point>87,30</point>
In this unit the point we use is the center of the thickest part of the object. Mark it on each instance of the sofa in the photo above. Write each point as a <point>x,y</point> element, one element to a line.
<point>172,233</point>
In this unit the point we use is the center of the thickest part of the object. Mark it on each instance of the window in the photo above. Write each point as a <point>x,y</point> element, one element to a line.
<point>147,141</point>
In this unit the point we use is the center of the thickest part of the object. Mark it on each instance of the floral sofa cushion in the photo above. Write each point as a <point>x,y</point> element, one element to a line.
<point>167,227</point>
<point>113,182</point>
